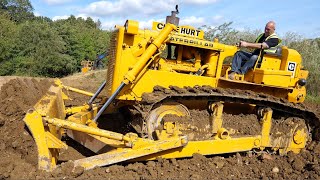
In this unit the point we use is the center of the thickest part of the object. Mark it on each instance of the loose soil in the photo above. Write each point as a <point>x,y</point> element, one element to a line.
<point>18,157</point>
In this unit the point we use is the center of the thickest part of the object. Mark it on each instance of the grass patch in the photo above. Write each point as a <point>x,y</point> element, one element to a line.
<point>313,99</point>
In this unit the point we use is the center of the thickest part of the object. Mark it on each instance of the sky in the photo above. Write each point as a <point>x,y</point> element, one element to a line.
<point>297,16</point>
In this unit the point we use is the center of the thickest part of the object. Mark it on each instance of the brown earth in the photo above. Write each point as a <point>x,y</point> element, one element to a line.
<point>18,157</point>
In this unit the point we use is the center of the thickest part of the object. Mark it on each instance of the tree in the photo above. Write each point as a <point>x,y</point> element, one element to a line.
<point>42,52</point>
<point>98,24</point>
<point>90,23</point>
<point>223,32</point>
<point>318,42</point>
<point>83,39</point>
<point>19,10</point>
<point>228,35</point>
<point>42,19</point>
<point>8,34</point>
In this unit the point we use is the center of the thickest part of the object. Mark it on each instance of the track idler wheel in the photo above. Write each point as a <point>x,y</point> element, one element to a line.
<point>154,119</point>
<point>291,135</point>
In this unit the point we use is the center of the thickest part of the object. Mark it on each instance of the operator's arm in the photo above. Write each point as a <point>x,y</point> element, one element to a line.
<point>272,42</point>
<point>254,45</point>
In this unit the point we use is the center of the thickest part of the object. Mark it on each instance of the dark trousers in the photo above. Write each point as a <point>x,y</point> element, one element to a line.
<point>243,61</point>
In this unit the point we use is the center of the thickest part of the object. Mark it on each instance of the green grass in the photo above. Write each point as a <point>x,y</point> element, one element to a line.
<point>313,99</point>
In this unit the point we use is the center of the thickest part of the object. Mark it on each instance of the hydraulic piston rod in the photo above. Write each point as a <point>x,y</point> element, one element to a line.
<point>97,93</point>
<point>87,129</point>
<point>109,101</point>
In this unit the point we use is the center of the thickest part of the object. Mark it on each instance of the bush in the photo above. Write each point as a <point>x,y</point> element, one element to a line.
<point>310,52</point>
<point>44,48</point>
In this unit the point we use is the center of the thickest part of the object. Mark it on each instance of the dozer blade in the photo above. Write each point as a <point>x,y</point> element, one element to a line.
<point>148,147</point>
<point>47,124</point>
<point>47,144</point>
<point>47,138</point>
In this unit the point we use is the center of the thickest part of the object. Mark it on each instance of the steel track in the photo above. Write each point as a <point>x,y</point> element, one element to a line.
<point>161,95</point>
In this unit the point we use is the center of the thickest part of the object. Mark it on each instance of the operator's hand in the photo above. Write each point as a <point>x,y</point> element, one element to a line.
<point>243,44</point>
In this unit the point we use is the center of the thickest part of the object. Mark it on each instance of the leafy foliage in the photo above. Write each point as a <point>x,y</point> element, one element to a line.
<point>43,51</point>
<point>42,47</point>
<point>19,10</point>
<point>228,35</point>
<point>7,37</point>
<point>83,38</point>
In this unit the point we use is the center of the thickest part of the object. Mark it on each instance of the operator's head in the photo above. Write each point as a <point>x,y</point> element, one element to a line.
<point>270,28</point>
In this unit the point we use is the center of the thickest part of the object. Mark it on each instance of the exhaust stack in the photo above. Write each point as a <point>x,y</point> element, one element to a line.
<point>173,19</point>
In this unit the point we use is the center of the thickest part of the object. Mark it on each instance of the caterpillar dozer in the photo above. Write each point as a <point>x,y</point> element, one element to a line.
<point>169,84</point>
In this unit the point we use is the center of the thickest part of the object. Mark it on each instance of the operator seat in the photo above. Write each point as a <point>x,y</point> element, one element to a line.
<point>277,54</point>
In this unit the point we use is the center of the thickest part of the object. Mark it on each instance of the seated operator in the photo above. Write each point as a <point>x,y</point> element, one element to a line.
<point>243,61</point>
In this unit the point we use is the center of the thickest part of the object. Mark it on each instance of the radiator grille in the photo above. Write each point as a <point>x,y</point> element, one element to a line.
<point>112,61</point>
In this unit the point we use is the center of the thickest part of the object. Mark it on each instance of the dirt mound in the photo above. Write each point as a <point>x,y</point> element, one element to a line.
<point>18,151</point>
<point>89,81</point>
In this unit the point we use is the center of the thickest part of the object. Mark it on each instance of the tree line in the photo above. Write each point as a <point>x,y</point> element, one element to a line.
<point>37,46</point>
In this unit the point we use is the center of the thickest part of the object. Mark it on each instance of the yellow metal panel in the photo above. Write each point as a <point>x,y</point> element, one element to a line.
<point>122,67</point>
<point>196,43</point>
<point>54,142</point>
<point>270,63</point>
<point>51,104</point>
<point>132,27</point>
<point>212,59</point>
<point>303,74</point>
<point>216,111</point>
<point>272,77</point>
<point>111,63</point>
<point>289,55</point>
<point>181,30</point>
<point>115,67</point>
<point>46,159</point>
<point>266,127</point>
<point>297,95</point>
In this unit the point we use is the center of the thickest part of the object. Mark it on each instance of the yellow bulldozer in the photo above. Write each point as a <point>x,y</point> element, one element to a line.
<point>158,79</point>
